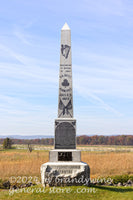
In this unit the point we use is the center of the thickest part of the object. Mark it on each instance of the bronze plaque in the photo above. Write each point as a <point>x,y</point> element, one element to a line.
<point>64,156</point>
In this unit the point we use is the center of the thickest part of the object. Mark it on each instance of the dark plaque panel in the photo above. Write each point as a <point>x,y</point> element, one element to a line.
<point>64,156</point>
<point>65,136</point>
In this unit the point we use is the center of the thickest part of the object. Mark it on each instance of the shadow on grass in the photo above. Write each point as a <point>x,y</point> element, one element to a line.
<point>115,189</point>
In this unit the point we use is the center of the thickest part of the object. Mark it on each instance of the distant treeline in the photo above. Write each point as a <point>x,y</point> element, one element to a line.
<point>105,140</point>
<point>82,140</point>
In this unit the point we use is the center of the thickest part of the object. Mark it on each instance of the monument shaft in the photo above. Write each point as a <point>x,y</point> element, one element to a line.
<point>65,105</point>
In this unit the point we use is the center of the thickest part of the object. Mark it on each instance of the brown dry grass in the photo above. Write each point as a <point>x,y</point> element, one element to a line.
<point>110,163</point>
<point>22,163</point>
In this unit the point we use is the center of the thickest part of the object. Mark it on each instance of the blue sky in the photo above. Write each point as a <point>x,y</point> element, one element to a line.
<point>102,61</point>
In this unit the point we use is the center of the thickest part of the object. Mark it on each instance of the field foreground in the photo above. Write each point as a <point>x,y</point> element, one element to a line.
<point>23,163</point>
<point>75,193</point>
<point>19,164</point>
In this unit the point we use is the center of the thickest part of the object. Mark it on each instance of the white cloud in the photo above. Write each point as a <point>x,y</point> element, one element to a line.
<point>22,37</point>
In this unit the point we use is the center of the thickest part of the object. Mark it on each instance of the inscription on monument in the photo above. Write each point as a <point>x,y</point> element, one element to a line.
<point>66,167</point>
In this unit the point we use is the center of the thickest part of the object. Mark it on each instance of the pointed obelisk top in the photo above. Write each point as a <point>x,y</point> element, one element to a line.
<point>65,27</point>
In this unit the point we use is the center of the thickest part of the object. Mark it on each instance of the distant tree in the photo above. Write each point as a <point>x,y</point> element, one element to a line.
<point>30,148</point>
<point>7,143</point>
<point>101,139</point>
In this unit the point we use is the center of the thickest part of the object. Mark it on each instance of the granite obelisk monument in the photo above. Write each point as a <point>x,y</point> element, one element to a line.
<point>65,159</point>
<point>65,125</point>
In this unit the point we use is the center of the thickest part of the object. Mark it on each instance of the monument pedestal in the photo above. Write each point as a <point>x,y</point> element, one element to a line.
<point>65,173</point>
<point>65,155</point>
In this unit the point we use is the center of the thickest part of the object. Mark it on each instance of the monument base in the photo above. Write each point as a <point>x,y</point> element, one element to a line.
<point>65,173</point>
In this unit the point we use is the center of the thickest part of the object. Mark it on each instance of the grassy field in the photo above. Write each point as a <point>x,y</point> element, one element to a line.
<point>97,148</point>
<point>23,163</point>
<point>67,193</point>
<point>103,161</point>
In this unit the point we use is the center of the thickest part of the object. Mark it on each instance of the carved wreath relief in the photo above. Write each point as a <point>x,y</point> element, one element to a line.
<point>65,109</point>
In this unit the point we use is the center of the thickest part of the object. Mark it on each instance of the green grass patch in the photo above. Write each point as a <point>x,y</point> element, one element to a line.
<point>67,193</point>
<point>121,178</point>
